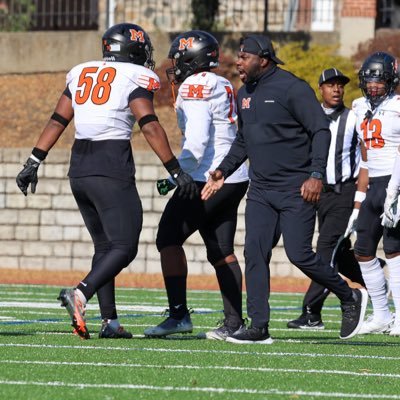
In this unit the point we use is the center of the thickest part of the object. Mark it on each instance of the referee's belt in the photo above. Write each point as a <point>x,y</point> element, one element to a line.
<point>337,187</point>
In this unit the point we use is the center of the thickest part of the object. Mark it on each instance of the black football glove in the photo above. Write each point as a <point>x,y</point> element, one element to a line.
<point>28,175</point>
<point>187,187</point>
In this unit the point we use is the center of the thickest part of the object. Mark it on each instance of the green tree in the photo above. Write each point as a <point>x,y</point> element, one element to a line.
<point>19,18</point>
<point>204,13</point>
<point>309,63</point>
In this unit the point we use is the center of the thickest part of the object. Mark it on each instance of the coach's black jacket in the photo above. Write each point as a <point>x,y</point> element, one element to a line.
<point>283,131</point>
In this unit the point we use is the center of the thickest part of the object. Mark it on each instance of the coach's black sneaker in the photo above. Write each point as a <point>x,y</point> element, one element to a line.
<point>307,321</point>
<point>108,332</point>
<point>251,335</point>
<point>171,326</point>
<point>353,314</point>
<point>226,329</point>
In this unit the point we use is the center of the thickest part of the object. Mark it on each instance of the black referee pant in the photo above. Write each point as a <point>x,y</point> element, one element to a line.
<point>268,212</point>
<point>333,210</point>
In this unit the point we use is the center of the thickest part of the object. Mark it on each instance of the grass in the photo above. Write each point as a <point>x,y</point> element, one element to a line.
<point>41,359</point>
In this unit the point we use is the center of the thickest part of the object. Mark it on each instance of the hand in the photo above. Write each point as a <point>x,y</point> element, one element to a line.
<point>214,183</point>
<point>352,224</point>
<point>164,186</point>
<point>28,175</point>
<point>391,215</point>
<point>187,187</point>
<point>311,190</point>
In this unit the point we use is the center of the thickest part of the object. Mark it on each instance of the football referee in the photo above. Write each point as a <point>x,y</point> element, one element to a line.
<point>336,202</point>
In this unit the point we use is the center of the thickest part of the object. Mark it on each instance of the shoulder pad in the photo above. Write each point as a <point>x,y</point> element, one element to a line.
<point>78,69</point>
<point>198,86</point>
<point>358,103</point>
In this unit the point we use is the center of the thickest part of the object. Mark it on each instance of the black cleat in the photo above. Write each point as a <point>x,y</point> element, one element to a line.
<point>108,332</point>
<point>170,326</point>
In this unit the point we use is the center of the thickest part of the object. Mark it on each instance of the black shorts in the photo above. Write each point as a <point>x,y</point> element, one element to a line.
<point>215,219</point>
<point>369,228</point>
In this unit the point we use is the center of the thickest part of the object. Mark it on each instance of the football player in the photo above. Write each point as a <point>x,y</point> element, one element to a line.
<point>378,125</point>
<point>206,113</point>
<point>106,98</point>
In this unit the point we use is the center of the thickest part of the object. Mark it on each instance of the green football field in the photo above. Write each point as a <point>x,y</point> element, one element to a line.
<point>41,359</point>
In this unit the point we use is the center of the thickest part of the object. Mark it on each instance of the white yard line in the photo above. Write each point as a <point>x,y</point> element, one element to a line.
<point>201,351</point>
<point>201,367</point>
<point>201,389</point>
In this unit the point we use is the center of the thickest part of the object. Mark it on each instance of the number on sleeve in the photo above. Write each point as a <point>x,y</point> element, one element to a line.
<point>231,98</point>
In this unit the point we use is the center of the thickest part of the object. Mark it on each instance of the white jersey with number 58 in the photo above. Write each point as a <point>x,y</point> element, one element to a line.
<point>100,97</point>
<point>380,133</point>
<point>206,112</point>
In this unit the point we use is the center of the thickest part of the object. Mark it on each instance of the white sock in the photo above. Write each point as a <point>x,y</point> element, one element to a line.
<point>81,296</point>
<point>393,265</point>
<point>375,282</point>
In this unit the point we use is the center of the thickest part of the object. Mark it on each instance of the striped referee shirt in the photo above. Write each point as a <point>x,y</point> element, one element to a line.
<point>344,151</point>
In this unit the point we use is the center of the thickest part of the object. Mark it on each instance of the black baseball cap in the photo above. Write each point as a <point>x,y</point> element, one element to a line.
<point>332,73</point>
<point>260,45</point>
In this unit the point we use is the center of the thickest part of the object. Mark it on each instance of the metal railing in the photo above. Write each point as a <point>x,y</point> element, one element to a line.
<point>177,15</point>
<point>49,15</point>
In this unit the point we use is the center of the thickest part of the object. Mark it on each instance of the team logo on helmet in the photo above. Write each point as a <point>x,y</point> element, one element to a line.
<point>191,52</point>
<point>137,36</point>
<point>185,43</point>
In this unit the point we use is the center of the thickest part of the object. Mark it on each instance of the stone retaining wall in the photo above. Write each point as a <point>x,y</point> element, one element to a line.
<point>45,231</point>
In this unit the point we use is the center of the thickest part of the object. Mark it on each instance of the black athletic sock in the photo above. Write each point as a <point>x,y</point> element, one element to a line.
<point>176,293</point>
<point>230,283</point>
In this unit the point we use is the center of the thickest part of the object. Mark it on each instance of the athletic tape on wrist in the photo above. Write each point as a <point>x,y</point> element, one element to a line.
<point>360,196</point>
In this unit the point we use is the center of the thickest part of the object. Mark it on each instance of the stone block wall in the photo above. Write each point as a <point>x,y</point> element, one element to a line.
<point>45,231</point>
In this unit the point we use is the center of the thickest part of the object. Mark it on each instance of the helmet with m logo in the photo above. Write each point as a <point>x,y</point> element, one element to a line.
<point>128,43</point>
<point>192,52</point>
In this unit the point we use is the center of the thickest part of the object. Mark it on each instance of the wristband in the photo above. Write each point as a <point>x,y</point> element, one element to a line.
<point>173,167</point>
<point>363,164</point>
<point>39,154</point>
<point>360,196</point>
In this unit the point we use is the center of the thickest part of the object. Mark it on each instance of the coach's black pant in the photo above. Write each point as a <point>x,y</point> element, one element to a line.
<point>268,212</point>
<point>333,211</point>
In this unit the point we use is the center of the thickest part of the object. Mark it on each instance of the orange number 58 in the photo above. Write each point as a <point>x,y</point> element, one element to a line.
<point>99,92</point>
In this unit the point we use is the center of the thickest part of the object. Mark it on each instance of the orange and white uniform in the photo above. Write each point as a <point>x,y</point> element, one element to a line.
<point>380,134</point>
<point>206,112</point>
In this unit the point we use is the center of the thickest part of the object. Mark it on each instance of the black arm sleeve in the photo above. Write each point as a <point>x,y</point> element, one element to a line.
<point>305,107</point>
<point>236,156</point>
<point>67,92</point>
<point>140,93</point>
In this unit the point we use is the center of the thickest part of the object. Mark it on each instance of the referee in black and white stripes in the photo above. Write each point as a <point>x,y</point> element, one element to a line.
<point>336,202</point>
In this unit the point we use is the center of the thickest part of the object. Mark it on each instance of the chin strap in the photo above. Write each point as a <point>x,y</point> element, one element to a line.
<point>173,95</point>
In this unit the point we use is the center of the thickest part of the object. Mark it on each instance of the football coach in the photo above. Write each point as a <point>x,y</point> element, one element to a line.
<point>284,134</point>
